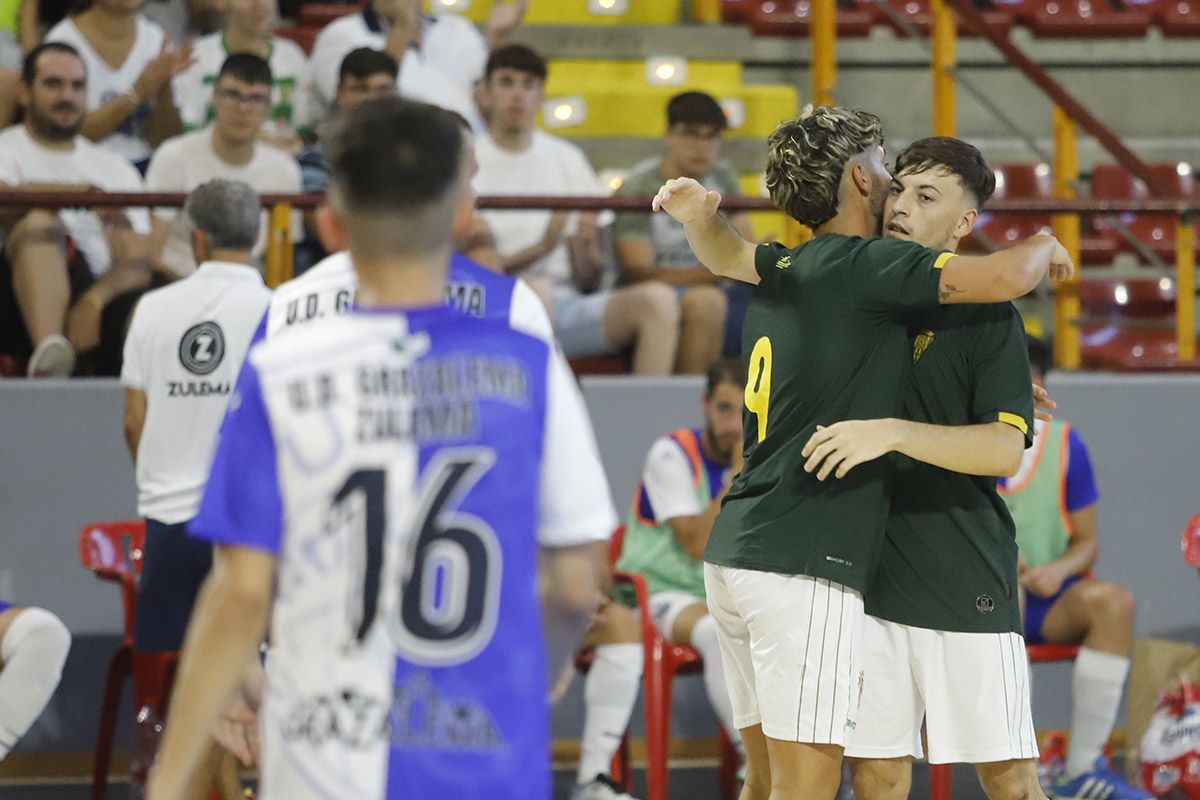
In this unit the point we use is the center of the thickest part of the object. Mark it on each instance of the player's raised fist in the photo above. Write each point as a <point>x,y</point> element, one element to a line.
<point>686,200</point>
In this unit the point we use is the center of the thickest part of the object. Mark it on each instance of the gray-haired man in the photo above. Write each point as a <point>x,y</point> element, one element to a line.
<point>185,346</point>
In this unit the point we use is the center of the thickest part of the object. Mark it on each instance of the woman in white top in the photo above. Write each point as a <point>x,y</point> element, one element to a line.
<point>130,64</point>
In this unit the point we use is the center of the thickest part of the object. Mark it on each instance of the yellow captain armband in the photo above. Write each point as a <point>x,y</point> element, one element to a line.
<point>758,384</point>
<point>942,259</point>
<point>1016,420</point>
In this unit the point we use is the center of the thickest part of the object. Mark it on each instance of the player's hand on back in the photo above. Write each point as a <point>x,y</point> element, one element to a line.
<point>1042,404</point>
<point>686,200</point>
<point>1062,268</point>
<point>841,447</point>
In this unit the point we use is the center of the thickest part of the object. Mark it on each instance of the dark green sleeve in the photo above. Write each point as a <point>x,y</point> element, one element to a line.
<point>894,276</point>
<point>770,260</point>
<point>1002,386</point>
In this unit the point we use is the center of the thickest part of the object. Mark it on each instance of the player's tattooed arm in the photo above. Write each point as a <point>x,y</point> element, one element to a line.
<point>1006,274</point>
<point>945,292</point>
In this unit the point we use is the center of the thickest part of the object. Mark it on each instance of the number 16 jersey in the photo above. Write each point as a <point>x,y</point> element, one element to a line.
<point>399,467</point>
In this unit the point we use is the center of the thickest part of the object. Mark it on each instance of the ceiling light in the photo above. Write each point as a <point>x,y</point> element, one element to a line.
<point>564,112</point>
<point>666,71</point>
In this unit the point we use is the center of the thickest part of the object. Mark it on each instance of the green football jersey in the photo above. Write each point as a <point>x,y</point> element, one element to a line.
<point>824,340</point>
<point>950,554</point>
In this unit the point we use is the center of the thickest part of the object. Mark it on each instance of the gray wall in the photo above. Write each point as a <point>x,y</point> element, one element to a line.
<point>64,464</point>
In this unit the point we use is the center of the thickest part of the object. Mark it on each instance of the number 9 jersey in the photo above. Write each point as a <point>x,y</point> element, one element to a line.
<point>404,469</point>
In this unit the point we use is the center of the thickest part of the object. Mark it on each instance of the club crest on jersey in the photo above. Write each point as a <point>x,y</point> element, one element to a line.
<point>784,262</point>
<point>985,604</point>
<point>921,344</point>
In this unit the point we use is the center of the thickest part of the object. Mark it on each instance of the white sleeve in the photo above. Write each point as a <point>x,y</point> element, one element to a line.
<point>326,60</point>
<point>128,179</point>
<point>669,482</point>
<point>161,176</point>
<point>574,501</point>
<point>133,372</point>
<point>528,315</point>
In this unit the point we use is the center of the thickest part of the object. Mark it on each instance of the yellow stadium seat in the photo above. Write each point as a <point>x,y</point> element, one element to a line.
<point>573,12</point>
<point>715,76</point>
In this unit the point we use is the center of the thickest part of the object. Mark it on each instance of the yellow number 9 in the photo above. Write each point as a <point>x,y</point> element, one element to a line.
<point>758,384</point>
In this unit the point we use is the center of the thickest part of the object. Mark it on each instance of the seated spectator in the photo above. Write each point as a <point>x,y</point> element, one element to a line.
<point>556,252</point>
<point>685,478</point>
<point>33,649</point>
<point>441,58</point>
<point>230,149</point>
<point>248,29</point>
<point>366,74</point>
<point>58,271</point>
<point>1053,503</point>
<point>654,246</point>
<point>131,106</point>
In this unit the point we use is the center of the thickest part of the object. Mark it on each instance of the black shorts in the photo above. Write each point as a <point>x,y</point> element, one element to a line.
<point>173,567</point>
<point>14,338</point>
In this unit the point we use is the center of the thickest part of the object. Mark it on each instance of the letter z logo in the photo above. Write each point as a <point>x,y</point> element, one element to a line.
<point>202,348</point>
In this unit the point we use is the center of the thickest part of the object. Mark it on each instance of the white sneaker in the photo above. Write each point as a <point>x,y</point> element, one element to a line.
<point>600,788</point>
<point>53,358</point>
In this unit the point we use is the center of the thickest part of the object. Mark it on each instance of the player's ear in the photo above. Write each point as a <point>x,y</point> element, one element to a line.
<point>966,223</point>
<point>329,229</point>
<point>860,179</point>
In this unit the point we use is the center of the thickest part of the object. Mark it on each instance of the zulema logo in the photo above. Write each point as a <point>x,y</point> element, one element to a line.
<point>202,348</point>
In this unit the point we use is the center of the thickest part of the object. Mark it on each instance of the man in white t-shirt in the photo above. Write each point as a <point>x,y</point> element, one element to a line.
<point>229,149</point>
<point>59,270</point>
<point>441,58</point>
<point>185,347</point>
<point>248,27</point>
<point>516,159</point>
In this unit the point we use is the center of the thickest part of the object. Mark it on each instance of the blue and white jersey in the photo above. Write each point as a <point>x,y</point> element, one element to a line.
<point>398,466</point>
<point>328,288</point>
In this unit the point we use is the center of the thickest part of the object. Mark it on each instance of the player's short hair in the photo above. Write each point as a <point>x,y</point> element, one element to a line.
<point>394,173</point>
<point>363,62</point>
<point>517,57</point>
<point>247,68</point>
<point>228,212</point>
<point>696,108</point>
<point>29,66</point>
<point>1040,357</point>
<point>808,155</point>
<point>953,157</point>
<point>724,370</point>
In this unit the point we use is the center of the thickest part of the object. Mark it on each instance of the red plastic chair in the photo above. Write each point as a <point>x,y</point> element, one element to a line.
<point>791,18</point>
<point>663,662</point>
<point>1156,231</point>
<point>1016,181</point>
<point>940,774</point>
<point>1088,19</point>
<point>113,551</point>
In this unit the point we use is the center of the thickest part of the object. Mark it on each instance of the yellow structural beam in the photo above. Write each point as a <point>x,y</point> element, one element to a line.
<point>279,245</point>
<point>944,36</point>
<point>822,36</point>
<point>1066,228</point>
<point>1185,288</point>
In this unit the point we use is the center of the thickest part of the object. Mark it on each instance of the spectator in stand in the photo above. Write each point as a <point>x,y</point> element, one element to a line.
<point>654,246</point>
<point>58,271</point>
<point>184,350</point>
<point>556,252</point>
<point>366,74</point>
<point>184,19</point>
<point>248,29</point>
<point>441,57</point>
<point>230,149</point>
<point>131,65</point>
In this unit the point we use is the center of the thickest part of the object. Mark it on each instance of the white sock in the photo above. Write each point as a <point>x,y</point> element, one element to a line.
<point>704,639</point>
<point>1096,687</point>
<point>34,650</point>
<point>609,695</point>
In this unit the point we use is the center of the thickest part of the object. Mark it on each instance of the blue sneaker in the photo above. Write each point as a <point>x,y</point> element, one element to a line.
<point>1100,783</point>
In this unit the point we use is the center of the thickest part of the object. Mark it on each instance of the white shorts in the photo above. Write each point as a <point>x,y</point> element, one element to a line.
<point>972,690</point>
<point>790,646</point>
<point>665,608</point>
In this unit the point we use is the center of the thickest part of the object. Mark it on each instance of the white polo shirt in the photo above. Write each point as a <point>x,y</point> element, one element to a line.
<point>185,347</point>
